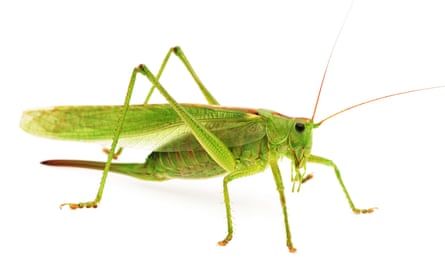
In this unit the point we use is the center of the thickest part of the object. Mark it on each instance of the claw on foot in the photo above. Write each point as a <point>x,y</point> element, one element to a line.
<point>307,178</point>
<point>74,206</point>
<point>115,155</point>
<point>223,243</point>
<point>364,211</point>
<point>291,246</point>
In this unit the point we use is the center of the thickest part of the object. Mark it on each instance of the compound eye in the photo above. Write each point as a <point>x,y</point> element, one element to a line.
<point>299,127</point>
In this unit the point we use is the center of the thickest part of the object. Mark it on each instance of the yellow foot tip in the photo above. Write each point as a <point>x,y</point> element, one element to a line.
<point>71,205</point>
<point>365,211</point>
<point>115,155</point>
<point>223,243</point>
<point>292,250</point>
<point>75,206</point>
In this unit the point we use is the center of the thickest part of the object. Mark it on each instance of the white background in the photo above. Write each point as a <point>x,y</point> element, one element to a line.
<point>268,54</point>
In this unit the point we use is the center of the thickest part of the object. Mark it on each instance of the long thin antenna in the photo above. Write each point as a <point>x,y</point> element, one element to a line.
<point>329,59</point>
<point>377,99</point>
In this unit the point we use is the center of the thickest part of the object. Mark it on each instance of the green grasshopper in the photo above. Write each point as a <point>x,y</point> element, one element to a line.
<point>190,141</point>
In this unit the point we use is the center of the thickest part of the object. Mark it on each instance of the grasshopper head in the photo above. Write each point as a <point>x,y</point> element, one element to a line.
<point>299,146</point>
<point>300,141</point>
<point>289,136</point>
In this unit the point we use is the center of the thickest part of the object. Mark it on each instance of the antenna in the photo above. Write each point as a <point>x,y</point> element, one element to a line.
<point>377,99</point>
<point>329,60</point>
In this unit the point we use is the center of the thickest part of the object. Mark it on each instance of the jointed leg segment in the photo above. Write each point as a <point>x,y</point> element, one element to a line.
<point>279,183</point>
<point>120,123</point>
<point>215,147</point>
<point>180,54</point>
<point>230,177</point>
<point>330,163</point>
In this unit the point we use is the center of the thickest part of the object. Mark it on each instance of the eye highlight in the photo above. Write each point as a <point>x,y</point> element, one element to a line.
<point>299,127</point>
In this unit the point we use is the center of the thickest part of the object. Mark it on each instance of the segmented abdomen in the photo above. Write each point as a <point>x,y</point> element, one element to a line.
<point>198,164</point>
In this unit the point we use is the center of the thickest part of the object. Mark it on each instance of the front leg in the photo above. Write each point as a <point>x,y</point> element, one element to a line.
<point>330,163</point>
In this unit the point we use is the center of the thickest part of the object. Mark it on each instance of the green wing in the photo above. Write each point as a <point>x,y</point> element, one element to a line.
<point>152,127</point>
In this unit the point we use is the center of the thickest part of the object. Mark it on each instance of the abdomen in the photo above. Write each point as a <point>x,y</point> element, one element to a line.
<point>198,164</point>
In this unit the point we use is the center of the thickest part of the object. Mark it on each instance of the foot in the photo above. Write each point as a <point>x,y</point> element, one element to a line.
<point>115,155</point>
<point>225,241</point>
<point>74,206</point>
<point>364,211</point>
<point>307,178</point>
<point>291,247</point>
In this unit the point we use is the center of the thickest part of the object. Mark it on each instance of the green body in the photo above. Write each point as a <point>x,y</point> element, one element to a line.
<point>185,140</point>
<point>248,134</point>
